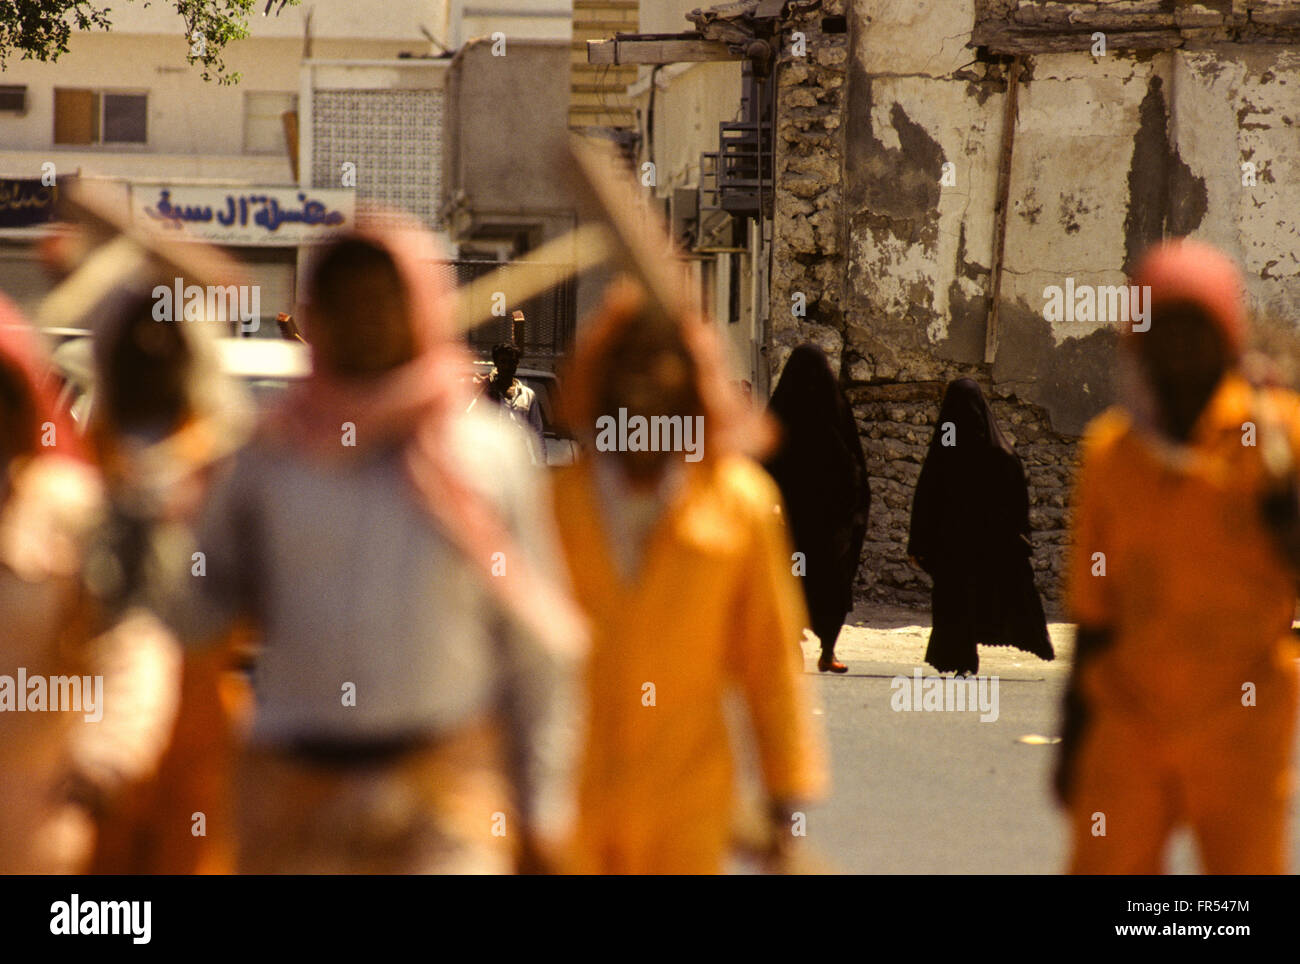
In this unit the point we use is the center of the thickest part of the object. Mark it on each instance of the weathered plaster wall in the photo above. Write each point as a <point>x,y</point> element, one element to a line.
<point>1111,153</point>
<point>1235,109</point>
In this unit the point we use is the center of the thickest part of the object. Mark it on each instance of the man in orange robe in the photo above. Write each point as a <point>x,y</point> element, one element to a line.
<point>50,502</point>
<point>1182,579</point>
<point>684,571</point>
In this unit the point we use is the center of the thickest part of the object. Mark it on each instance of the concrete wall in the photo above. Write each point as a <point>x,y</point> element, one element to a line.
<point>690,101</point>
<point>506,180</point>
<point>336,19</point>
<point>506,123</point>
<point>194,129</point>
<point>517,19</point>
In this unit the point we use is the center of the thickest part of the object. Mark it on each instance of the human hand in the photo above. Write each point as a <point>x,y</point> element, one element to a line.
<point>780,837</point>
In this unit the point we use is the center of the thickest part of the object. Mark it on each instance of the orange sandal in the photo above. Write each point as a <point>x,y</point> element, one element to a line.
<point>829,664</point>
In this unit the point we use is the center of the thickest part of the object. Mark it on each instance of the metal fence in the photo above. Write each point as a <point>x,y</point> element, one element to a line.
<point>549,318</point>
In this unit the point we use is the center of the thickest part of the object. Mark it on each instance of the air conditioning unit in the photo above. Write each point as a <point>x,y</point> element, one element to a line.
<point>719,232</point>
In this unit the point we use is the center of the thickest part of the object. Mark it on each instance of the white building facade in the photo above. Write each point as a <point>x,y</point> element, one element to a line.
<point>125,106</point>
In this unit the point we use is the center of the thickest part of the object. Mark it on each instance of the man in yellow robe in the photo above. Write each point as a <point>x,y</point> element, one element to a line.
<point>1182,578</point>
<point>677,557</point>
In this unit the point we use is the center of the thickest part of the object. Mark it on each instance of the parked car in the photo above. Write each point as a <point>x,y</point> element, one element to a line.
<point>263,367</point>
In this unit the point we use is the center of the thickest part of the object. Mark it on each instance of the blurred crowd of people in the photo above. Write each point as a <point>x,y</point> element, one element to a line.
<point>368,633</point>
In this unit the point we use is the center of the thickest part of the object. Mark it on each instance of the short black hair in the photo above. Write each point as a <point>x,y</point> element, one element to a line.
<point>360,319</point>
<point>19,420</point>
<point>147,366</point>
<point>504,347</point>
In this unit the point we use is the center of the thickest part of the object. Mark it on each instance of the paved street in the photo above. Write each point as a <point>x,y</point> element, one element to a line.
<point>928,792</point>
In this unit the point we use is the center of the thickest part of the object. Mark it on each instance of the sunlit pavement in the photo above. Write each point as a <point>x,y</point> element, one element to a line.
<point>943,792</point>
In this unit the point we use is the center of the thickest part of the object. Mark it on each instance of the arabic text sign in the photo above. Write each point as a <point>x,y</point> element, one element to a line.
<point>264,216</point>
<point>25,201</point>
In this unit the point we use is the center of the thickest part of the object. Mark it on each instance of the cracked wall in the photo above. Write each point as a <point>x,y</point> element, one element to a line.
<point>1111,153</point>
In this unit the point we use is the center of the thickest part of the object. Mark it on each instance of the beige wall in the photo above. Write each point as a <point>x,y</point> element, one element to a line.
<point>667,16</point>
<point>196,128</point>
<point>506,122</point>
<point>517,19</point>
<point>186,115</point>
<point>690,101</point>
<point>346,19</point>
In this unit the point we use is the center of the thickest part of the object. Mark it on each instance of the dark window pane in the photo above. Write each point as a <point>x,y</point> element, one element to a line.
<point>734,293</point>
<point>13,97</point>
<point>124,118</point>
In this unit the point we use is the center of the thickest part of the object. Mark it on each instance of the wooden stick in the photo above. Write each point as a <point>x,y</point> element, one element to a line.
<point>642,243</point>
<point>77,295</point>
<point>542,268</point>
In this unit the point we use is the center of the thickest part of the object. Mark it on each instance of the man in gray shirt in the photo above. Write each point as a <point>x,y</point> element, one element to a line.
<point>388,549</point>
<point>514,400</point>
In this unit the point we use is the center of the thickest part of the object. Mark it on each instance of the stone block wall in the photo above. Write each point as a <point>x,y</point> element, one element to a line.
<point>809,208</point>
<point>895,422</point>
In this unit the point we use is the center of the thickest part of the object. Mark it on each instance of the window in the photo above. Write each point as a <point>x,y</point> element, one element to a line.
<point>125,118</point>
<point>13,99</point>
<point>99,117</point>
<point>734,291</point>
<point>76,116</point>
<point>263,126</point>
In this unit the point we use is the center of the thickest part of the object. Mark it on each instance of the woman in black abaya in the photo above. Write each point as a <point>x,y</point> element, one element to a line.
<point>970,532</point>
<point>822,474</point>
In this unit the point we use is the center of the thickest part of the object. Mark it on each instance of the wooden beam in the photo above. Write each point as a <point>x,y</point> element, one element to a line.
<point>633,51</point>
<point>1009,116</point>
<point>1016,41</point>
<point>542,268</point>
<point>1058,27</point>
<point>1071,20</point>
<point>638,238</point>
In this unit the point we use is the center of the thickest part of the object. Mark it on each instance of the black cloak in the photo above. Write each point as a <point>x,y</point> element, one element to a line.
<point>970,531</point>
<point>822,474</point>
